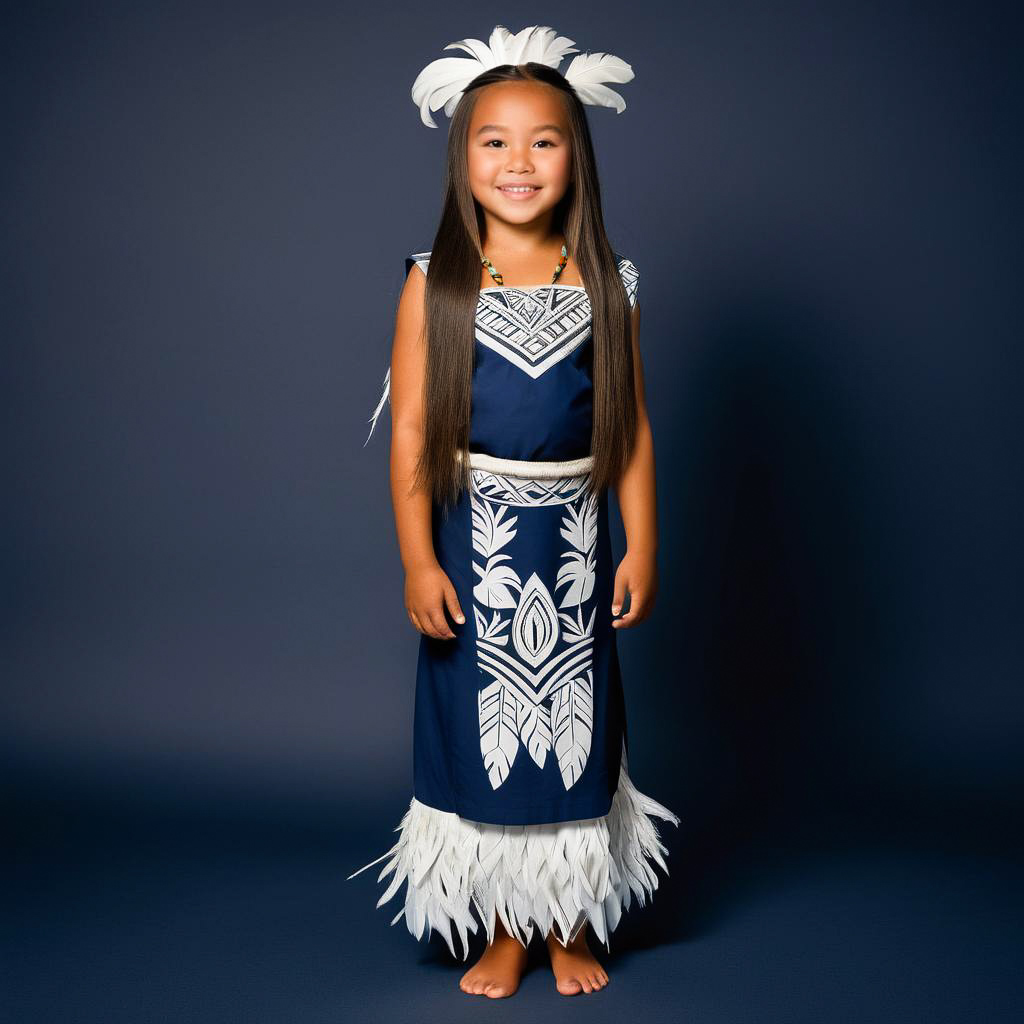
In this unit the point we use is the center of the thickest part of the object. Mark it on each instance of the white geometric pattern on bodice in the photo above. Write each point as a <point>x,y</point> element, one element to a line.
<point>535,328</point>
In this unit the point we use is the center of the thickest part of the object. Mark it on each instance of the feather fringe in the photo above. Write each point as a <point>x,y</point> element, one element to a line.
<point>563,873</point>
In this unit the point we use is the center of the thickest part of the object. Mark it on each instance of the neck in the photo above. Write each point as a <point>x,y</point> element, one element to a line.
<point>501,237</point>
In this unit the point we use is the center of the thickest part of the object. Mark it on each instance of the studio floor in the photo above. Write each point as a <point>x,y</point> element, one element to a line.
<point>121,912</point>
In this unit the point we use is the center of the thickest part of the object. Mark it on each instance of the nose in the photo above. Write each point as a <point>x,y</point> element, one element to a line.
<point>519,160</point>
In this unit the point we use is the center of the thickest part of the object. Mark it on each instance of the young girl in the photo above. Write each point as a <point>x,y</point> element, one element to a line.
<point>517,399</point>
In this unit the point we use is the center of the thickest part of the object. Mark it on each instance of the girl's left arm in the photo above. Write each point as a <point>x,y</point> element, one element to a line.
<point>638,571</point>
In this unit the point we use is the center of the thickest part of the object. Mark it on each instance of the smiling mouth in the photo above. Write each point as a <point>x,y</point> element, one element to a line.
<point>519,191</point>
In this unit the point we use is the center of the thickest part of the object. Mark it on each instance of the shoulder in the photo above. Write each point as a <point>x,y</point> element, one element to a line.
<point>419,259</point>
<point>630,276</point>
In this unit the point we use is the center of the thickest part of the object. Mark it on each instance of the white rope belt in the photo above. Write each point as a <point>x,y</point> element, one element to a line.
<point>536,470</point>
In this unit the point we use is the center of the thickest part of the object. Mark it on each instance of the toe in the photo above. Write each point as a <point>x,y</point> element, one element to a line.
<point>569,987</point>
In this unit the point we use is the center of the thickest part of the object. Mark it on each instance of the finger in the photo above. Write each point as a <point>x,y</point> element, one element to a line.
<point>423,622</point>
<point>414,620</point>
<point>452,601</point>
<point>620,593</point>
<point>635,613</point>
<point>440,624</point>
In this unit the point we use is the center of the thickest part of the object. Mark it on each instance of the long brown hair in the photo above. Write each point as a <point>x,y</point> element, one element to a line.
<point>452,294</point>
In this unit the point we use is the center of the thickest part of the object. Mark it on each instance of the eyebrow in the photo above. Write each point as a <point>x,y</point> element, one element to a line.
<point>504,128</point>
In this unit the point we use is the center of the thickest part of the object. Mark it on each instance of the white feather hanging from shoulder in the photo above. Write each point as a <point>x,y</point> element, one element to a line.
<point>564,873</point>
<point>380,405</point>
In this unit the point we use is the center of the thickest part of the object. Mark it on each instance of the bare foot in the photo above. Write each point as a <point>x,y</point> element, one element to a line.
<point>576,970</point>
<point>496,974</point>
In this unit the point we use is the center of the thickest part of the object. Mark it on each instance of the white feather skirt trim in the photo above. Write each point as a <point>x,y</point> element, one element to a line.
<point>563,873</point>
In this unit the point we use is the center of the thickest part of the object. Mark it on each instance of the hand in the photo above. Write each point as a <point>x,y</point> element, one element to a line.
<point>427,591</point>
<point>637,574</point>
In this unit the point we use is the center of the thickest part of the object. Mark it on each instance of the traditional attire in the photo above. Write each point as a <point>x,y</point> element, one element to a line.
<point>522,807</point>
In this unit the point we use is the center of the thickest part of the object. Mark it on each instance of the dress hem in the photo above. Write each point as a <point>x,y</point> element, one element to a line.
<point>562,874</point>
<point>597,807</point>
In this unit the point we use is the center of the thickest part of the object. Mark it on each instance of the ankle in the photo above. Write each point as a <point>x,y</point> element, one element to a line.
<point>573,945</point>
<point>502,938</point>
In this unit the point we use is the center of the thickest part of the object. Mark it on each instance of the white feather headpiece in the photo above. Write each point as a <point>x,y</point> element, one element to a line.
<point>442,82</point>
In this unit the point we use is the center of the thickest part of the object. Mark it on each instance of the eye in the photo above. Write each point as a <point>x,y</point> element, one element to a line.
<point>487,145</point>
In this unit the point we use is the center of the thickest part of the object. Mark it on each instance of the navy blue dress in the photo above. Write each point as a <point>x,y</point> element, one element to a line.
<point>520,719</point>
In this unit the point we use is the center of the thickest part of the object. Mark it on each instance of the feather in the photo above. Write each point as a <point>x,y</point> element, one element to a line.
<point>534,725</point>
<point>552,877</point>
<point>443,81</point>
<point>586,72</point>
<point>380,405</point>
<point>499,738</point>
<point>572,724</point>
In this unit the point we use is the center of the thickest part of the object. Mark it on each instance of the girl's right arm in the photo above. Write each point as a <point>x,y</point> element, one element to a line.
<point>427,586</point>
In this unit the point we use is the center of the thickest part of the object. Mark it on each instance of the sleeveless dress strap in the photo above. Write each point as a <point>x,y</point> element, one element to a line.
<point>630,278</point>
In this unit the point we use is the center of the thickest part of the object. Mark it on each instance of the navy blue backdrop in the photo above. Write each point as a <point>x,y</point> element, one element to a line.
<point>207,667</point>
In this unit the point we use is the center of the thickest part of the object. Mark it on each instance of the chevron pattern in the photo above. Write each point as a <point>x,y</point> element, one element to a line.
<point>535,328</point>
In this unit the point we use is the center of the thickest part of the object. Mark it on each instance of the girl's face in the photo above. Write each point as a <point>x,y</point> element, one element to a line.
<point>519,135</point>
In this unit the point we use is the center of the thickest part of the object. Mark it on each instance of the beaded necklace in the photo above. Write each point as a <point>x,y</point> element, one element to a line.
<point>498,278</point>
